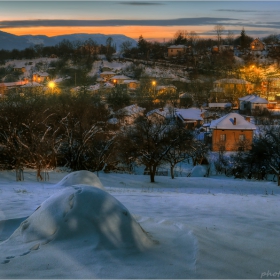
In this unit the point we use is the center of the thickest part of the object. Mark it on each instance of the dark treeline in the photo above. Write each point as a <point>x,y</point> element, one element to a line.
<point>196,45</point>
<point>65,49</point>
<point>45,131</point>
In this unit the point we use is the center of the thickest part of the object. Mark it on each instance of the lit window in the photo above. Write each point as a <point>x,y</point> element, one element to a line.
<point>223,137</point>
<point>242,137</point>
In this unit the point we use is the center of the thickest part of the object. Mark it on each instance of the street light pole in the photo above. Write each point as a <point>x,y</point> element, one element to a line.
<point>154,85</point>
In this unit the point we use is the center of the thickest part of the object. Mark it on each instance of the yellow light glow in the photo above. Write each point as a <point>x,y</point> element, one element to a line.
<point>51,84</point>
<point>154,83</point>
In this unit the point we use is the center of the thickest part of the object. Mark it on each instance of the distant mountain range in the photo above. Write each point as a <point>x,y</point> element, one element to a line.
<point>9,41</point>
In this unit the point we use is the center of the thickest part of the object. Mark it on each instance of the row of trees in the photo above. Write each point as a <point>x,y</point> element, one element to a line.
<point>42,132</point>
<point>156,50</point>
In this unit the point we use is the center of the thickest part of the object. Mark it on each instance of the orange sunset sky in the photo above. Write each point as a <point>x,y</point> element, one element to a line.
<point>154,20</point>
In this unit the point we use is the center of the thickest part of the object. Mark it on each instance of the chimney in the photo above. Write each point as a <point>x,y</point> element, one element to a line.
<point>248,118</point>
<point>234,121</point>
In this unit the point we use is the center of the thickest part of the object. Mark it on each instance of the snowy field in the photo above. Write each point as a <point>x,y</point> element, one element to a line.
<point>189,227</point>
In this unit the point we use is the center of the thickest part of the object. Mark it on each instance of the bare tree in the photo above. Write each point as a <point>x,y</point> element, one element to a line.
<point>219,29</point>
<point>181,148</point>
<point>230,37</point>
<point>147,142</point>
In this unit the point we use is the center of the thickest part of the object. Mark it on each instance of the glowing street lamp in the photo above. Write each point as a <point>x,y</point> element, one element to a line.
<point>154,85</point>
<point>51,85</point>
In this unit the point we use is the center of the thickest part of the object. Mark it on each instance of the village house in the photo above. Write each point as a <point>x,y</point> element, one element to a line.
<point>127,115</point>
<point>164,114</point>
<point>40,77</point>
<point>220,106</point>
<point>232,132</point>
<point>132,84</point>
<point>107,75</point>
<point>221,48</point>
<point>270,88</point>
<point>176,50</point>
<point>252,102</point>
<point>166,89</point>
<point>190,118</point>
<point>19,68</point>
<point>234,85</point>
<point>119,79</point>
<point>6,86</point>
<point>257,45</point>
<point>217,94</point>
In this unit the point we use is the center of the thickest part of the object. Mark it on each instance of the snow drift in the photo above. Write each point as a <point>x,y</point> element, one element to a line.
<point>82,177</point>
<point>82,212</point>
<point>199,171</point>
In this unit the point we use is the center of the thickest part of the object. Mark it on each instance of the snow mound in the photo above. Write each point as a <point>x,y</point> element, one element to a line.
<point>82,177</point>
<point>199,171</point>
<point>82,213</point>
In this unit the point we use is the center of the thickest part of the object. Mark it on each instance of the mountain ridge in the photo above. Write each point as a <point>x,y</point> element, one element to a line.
<point>10,41</point>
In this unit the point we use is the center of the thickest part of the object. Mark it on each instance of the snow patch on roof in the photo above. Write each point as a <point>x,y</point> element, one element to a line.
<point>227,122</point>
<point>130,110</point>
<point>232,81</point>
<point>190,114</point>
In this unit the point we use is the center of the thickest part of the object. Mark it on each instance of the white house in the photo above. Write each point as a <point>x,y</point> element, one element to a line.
<point>190,117</point>
<point>252,102</point>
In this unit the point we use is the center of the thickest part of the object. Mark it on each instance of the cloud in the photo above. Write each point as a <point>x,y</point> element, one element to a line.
<point>117,22</point>
<point>138,3</point>
<point>236,11</point>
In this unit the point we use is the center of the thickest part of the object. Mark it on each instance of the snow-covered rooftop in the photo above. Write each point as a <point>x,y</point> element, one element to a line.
<point>177,47</point>
<point>94,87</point>
<point>108,85</point>
<point>232,81</point>
<point>190,114</point>
<point>185,95</point>
<point>164,112</point>
<point>259,100</point>
<point>42,74</point>
<point>32,84</point>
<point>131,81</point>
<point>107,73</point>
<point>220,105</point>
<point>130,110</point>
<point>12,84</point>
<point>166,87</point>
<point>227,122</point>
<point>252,98</point>
<point>217,89</point>
<point>120,77</point>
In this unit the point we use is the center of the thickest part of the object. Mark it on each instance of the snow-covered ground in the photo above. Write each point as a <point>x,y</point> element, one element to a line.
<point>192,227</point>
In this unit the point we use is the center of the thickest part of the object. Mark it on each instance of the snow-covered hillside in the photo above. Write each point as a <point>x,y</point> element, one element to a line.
<point>196,227</point>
